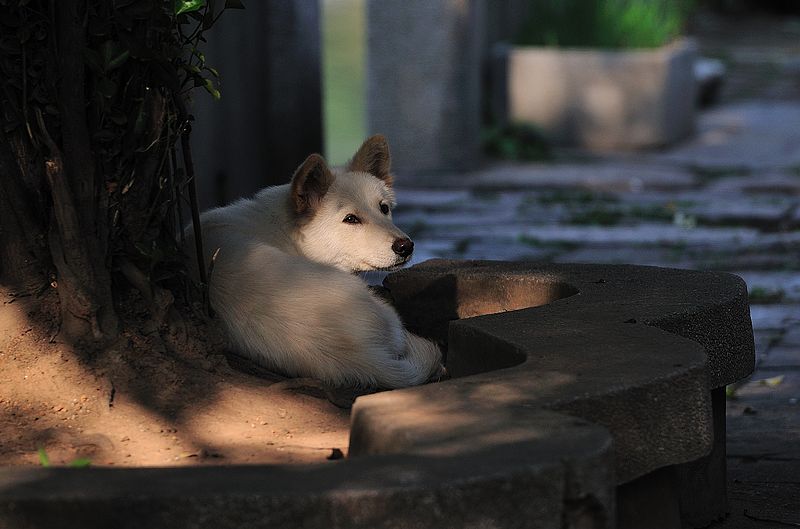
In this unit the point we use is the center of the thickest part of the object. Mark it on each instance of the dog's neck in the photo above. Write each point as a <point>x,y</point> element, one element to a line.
<point>267,221</point>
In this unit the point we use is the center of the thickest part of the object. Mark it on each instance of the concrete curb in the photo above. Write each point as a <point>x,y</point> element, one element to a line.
<point>521,437</point>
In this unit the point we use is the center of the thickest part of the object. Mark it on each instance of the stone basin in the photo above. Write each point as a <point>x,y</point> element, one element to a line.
<point>581,396</point>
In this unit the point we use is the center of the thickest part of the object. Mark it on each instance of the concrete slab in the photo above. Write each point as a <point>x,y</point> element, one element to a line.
<point>764,340</point>
<point>781,356</point>
<point>765,385</point>
<point>774,316</point>
<point>464,219</point>
<point>430,249</point>
<point>649,233</point>
<point>738,211</point>
<point>769,182</point>
<point>473,248</point>
<point>439,198</point>
<point>635,255</point>
<point>791,337</point>
<point>752,135</point>
<point>600,176</point>
<point>785,284</point>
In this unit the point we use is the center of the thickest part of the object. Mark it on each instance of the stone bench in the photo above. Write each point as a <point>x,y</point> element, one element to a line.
<point>582,396</point>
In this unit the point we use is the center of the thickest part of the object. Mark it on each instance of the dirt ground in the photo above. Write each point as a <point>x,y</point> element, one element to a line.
<point>158,396</point>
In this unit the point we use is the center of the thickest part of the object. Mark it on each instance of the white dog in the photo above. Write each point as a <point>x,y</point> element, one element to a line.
<point>283,282</point>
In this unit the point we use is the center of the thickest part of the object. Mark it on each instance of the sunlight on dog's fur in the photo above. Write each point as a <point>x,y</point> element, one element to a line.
<point>284,285</point>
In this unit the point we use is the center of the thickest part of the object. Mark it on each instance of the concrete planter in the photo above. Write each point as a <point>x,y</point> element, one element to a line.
<point>582,396</point>
<point>604,99</point>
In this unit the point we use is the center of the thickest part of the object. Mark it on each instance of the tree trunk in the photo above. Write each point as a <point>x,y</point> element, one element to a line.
<point>77,231</point>
<point>88,117</point>
<point>22,252</point>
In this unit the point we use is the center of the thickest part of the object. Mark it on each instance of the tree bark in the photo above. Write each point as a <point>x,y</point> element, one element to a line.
<point>77,240</point>
<point>78,159</point>
<point>22,255</point>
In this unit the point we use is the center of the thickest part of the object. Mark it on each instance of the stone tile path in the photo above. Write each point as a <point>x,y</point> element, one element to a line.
<point>727,199</point>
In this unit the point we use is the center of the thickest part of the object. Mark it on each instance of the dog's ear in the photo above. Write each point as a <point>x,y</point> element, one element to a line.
<point>310,183</point>
<point>373,157</point>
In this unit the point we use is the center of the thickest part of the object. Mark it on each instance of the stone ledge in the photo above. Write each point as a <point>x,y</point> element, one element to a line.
<point>710,308</point>
<point>514,482</point>
<point>551,363</point>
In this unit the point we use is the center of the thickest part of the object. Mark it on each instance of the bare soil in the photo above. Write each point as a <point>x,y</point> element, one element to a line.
<point>161,395</point>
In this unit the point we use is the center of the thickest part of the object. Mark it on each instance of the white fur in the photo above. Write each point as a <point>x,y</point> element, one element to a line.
<point>287,295</point>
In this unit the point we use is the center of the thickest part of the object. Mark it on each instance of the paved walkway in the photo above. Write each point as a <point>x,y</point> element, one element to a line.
<point>727,199</point>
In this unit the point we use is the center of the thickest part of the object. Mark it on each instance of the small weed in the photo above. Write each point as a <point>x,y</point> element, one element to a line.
<point>604,23</point>
<point>793,170</point>
<point>518,142</point>
<point>763,296</point>
<point>534,242</point>
<point>655,212</point>
<point>597,216</point>
<point>575,197</point>
<point>684,220</point>
<point>44,460</point>
<point>486,195</point>
<point>708,174</point>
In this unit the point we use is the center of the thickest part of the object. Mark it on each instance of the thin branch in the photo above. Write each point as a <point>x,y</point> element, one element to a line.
<point>158,299</point>
<point>176,194</point>
<point>185,130</point>
<point>207,300</point>
<point>137,278</point>
<point>186,150</point>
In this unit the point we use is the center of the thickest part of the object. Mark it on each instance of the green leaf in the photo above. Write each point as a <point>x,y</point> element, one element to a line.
<point>113,55</point>
<point>43,459</point>
<point>187,6</point>
<point>81,463</point>
<point>209,86</point>
<point>234,4</point>
<point>197,53</point>
<point>119,60</point>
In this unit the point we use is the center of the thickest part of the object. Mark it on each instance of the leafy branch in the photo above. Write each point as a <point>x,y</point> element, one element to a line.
<point>114,105</point>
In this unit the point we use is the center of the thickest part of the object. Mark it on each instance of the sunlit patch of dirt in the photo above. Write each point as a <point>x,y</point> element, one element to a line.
<point>160,395</point>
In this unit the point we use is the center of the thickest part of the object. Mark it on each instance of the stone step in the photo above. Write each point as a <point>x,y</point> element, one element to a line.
<point>645,233</point>
<point>750,135</point>
<point>602,175</point>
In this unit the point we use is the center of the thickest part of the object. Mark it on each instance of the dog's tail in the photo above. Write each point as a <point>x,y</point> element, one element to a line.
<point>420,362</point>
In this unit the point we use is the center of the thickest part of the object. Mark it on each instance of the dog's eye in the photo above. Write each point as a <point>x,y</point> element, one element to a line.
<point>351,219</point>
<point>385,209</point>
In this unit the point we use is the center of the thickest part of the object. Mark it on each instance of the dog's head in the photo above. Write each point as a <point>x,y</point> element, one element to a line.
<point>344,216</point>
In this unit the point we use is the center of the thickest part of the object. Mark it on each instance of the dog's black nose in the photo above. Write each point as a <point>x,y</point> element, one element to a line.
<point>403,247</point>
